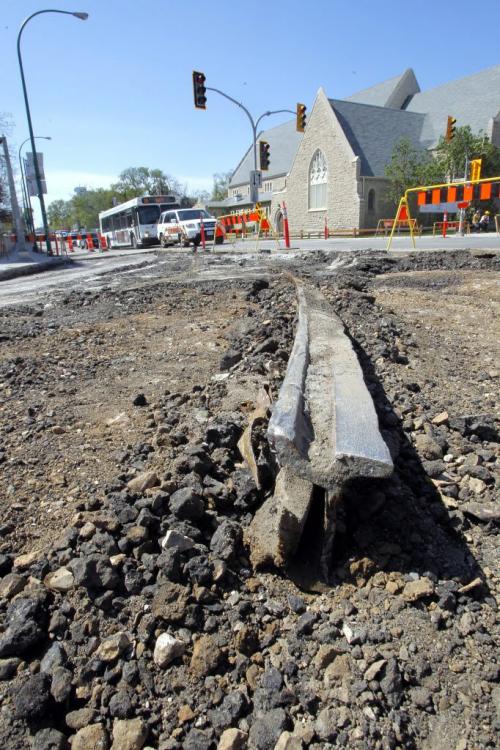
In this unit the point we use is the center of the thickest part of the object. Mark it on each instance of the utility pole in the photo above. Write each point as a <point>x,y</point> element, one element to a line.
<point>16,215</point>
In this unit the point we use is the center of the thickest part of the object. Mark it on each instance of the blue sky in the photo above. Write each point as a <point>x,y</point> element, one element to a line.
<point>115,91</point>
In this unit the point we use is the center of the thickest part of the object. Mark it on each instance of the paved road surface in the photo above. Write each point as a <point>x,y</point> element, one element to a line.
<point>244,257</point>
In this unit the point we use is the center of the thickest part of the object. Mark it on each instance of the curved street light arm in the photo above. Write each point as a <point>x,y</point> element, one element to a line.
<point>252,123</point>
<point>274,112</point>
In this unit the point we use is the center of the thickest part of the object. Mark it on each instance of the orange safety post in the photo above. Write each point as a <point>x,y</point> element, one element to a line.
<point>90,242</point>
<point>286,230</point>
<point>326,228</point>
<point>102,242</point>
<point>202,233</point>
<point>69,240</point>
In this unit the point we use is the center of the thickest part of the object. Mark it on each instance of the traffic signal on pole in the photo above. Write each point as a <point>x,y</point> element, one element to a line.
<point>199,90</point>
<point>450,129</point>
<point>264,153</point>
<point>475,169</point>
<point>301,117</point>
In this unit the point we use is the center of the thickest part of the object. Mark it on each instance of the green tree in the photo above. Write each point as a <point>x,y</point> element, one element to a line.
<point>220,186</point>
<point>136,181</point>
<point>83,208</point>
<point>406,168</point>
<point>59,214</point>
<point>86,206</point>
<point>465,146</point>
<point>410,167</point>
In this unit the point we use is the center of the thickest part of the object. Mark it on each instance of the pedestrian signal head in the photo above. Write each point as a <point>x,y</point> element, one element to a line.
<point>301,117</point>
<point>450,129</point>
<point>199,90</point>
<point>265,156</point>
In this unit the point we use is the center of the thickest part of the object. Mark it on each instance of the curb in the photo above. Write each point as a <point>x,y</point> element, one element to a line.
<point>324,430</point>
<point>28,270</point>
<point>324,423</point>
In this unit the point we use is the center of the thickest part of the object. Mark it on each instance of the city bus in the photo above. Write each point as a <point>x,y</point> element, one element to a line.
<point>133,223</point>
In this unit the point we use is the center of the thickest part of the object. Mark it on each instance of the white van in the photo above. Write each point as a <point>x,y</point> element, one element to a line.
<point>183,226</point>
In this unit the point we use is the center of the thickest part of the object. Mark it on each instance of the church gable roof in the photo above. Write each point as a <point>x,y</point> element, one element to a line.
<point>391,93</point>
<point>473,100</point>
<point>373,131</point>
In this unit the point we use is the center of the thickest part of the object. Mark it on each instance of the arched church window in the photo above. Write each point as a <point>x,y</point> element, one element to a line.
<point>371,200</point>
<point>318,181</point>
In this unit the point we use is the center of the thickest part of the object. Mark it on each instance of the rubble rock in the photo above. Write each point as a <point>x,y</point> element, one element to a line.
<point>206,657</point>
<point>419,589</point>
<point>60,580</point>
<point>25,621</point>
<point>32,702</point>
<point>167,648</point>
<point>92,737</point>
<point>129,734</point>
<point>232,739</point>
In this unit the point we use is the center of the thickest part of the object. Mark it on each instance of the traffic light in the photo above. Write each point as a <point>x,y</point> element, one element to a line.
<point>475,169</point>
<point>199,90</point>
<point>301,117</point>
<point>264,153</point>
<point>450,129</point>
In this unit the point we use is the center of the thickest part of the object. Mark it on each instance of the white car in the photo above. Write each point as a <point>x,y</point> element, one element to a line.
<point>183,226</point>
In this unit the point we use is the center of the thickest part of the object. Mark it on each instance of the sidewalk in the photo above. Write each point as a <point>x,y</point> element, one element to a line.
<point>26,263</point>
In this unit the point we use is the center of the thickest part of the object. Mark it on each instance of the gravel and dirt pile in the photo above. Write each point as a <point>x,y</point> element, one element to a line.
<point>131,615</point>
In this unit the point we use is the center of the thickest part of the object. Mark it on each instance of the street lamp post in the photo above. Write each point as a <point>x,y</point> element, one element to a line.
<point>82,17</point>
<point>28,211</point>
<point>253,123</point>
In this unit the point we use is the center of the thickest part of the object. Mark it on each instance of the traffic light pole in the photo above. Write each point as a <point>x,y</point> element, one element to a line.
<point>254,123</point>
<point>461,218</point>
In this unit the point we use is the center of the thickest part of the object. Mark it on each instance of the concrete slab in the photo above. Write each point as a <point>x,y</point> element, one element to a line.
<point>277,526</point>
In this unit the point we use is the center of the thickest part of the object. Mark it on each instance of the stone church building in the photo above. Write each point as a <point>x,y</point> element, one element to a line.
<point>335,170</point>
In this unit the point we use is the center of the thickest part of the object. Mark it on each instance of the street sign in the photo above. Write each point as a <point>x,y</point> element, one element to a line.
<point>256,178</point>
<point>463,204</point>
<point>29,166</point>
<point>439,208</point>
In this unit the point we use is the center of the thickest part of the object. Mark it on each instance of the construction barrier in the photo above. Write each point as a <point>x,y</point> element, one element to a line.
<point>437,227</point>
<point>41,238</point>
<point>457,193</point>
<point>386,225</point>
<point>481,191</point>
<point>237,223</point>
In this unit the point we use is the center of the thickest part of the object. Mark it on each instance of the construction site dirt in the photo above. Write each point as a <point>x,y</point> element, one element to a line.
<point>132,613</point>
